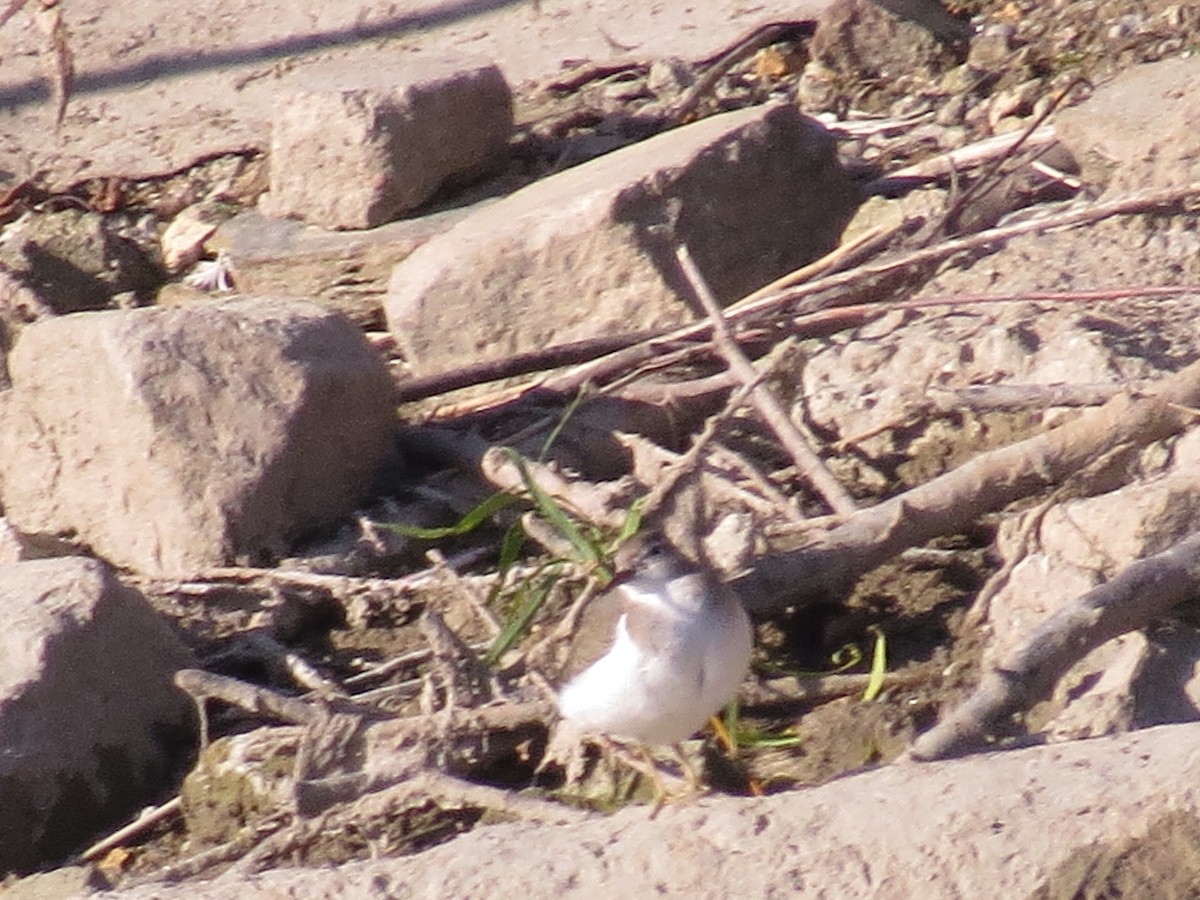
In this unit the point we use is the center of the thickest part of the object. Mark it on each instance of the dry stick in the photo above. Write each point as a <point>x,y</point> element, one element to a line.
<point>777,502</point>
<point>1147,588</point>
<point>242,843</point>
<point>9,10</point>
<point>665,357</point>
<point>686,463</point>
<point>836,558</point>
<point>808,463</point>
<point>267,703</point>
<point>866,244</point>
<point>781,304</point>
<point>990,179</point>
<point>968,157</point>
<point>600,360</point>
<point>594,502</point>
<point>660,393</point>
<point>145,820</point>
<point>392,666</point>
<point>988,397</point>
<point>1143,201</point>
<point>1098,296</point>
<point>985,397</point>
<point>371,812</point>
<point>340,586</point>
<point>747,45</point>
<point>202,685</point>
<point>511,366</point>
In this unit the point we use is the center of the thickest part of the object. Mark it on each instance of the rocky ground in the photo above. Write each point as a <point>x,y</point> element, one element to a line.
<point>964,252</point>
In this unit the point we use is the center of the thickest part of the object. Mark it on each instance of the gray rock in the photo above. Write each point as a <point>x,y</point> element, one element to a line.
<point>975,827</point>
<point>348,154</point>
<point>173,439</point>
<point>861,40</point>
<point>69,261</point>
<point>347,271</point>
<point>753,194</point>
<point>1139,130</point>
<point>87,706</point>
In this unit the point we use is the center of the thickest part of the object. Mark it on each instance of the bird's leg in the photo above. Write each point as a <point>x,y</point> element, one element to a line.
<point>690,775</point>
<point>637,756</point>
<point>654,774</point>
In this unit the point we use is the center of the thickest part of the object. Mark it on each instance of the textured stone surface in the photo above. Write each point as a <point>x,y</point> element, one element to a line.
<point>347,153</point>
<point>69,261</point>
<point>87,705</point>
<point>343,270</point>
<point>172,439</point>
<point>1139,130</point>
<point>861,40</point>
<point>1077,545</point>
<point>753,194</point>
<point>976,827</point>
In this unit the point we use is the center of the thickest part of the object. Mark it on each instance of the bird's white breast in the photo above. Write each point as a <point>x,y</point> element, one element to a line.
<point>665,696</point>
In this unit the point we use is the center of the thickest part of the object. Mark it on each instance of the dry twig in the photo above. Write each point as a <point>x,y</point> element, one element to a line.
<point>963,158</point>
<point>836,557</point>
<point>146,819</point>
<point>743,48</point>
<point>1147,588</point>
<point>599,503</point>
<point>808,463</point>
<point>763,307</point>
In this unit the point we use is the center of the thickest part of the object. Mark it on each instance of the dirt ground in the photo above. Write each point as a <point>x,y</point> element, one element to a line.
<point>155,91</point>
<point>155,94</point>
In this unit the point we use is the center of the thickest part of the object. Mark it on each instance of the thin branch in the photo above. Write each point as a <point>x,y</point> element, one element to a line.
<point>746,46</point>
<point>146,819</point>
<point>1140,202</point>
<point>686,463</point>
<point>633,350</point>
<point>865,245</point>
<point>808,463</point>
<point>834,559</point>
<point>960,158</point>
<point>990,179</point>
<point>1147,588</point>
<point>518,364</point>
<point>594,502</point>
<point>262,701</point>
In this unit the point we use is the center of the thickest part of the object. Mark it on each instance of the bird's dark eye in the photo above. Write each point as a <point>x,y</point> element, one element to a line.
<point>655,550</point>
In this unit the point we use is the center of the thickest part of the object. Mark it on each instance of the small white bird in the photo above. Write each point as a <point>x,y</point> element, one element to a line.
<point>678,651</point>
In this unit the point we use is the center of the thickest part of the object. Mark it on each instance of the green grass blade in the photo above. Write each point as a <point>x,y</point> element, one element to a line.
<point>510,547</point>
<point>467,523</point>
<point>562,421</point>
<point>553,513</point>
<point>878,666</point>
<point>531,594</point>
<point>845,659</point>
<point>632,523</point>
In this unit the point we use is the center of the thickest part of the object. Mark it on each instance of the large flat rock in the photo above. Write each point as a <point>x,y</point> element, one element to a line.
<point>995,825</point>
<point>753,194</point>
